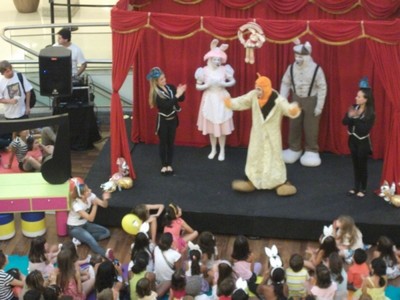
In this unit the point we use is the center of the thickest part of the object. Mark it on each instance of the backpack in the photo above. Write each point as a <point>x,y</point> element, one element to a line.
<point>33,95</point>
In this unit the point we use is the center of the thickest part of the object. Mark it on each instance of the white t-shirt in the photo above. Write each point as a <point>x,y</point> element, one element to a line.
<point>74,218</point>
<point>77,57</point>
<point>161,268</point>
<point>11,87</point>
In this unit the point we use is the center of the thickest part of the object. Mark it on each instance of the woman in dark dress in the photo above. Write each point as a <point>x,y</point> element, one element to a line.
<point>359,120</point>
<point>165,97</point>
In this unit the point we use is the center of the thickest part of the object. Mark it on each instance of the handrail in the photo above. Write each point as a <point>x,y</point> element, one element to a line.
<point>35,53</point>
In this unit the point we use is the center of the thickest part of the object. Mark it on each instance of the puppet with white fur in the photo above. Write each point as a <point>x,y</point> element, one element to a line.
<point>306,82</point>
<point>214,118</point>
<point>120,179</point>
<point>265,168</point>
<point>388,193</point>
<point>251,36</point>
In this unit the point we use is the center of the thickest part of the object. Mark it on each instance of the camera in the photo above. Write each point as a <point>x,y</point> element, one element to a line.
<point>116,262</point>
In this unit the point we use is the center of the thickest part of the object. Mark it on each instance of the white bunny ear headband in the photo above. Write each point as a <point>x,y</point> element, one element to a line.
<point>275,260</point>
<point>194,247</point>
<point>327,231</point>
<point>241,284</point>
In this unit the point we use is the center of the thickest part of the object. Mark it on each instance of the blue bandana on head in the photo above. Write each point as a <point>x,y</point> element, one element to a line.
<point>364,83</point>
<point>154,73</point>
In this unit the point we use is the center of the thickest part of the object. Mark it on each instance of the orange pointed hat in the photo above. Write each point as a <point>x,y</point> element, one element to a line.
<point>264,83</point>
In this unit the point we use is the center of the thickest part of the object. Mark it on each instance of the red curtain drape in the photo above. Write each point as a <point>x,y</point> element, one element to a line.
<point>276,9</point>
<point>122,62</point>
<point>177,44</point>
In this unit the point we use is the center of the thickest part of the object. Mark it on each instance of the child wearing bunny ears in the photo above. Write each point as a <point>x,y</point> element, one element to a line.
<point>273,285</point>
<point>214,118</point>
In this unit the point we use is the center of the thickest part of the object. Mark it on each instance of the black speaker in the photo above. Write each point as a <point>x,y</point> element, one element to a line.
<point>55,71</point>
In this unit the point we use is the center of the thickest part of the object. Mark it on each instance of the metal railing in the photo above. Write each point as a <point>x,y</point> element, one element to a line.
<point>15,35</point>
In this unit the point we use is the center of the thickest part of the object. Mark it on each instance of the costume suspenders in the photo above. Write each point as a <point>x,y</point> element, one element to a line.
<point>312,81</point>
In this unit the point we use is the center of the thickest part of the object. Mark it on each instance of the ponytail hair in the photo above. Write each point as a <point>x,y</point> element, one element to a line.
<point>171,212</point>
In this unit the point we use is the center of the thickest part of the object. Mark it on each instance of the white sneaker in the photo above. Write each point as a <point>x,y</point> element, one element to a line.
<point>76,242</point>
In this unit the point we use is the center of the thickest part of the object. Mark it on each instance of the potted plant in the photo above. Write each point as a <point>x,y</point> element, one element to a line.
<point>26,6</point>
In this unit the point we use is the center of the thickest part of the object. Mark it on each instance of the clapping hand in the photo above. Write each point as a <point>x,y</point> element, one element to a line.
<point>180,90</point>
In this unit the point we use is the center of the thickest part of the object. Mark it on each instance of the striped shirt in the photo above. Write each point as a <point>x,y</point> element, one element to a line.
<point>20,147</point>
<point>6,292</point>
<point>297,282</point>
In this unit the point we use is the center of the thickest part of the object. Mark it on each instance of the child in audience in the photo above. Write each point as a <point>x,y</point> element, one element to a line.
<point>386,250</point>
<point>358,270</point>
<point>243,262</point>
<point>273,284</point>
<point>69,278</point>
<point>8,282</point>
<point>178,284</point>
<point>348,236</point>
<point>52,292</point>
<point>142,243</point>
<point>195,283</point>
<point>87,270</point>
<point>144,291</point>
<point>42,256</point>
<point>174,224</point>
<point>208,246</point>
<point>142,211</point>
<point>324,289</point>
<point>297,278</point>
<point>375,284</point>
<point>83,210</point>
<point>321,255</point>
<point>108,276</point>
<point>338,275</point>
<point>33,281</point>
<point>137,271</point>
<point>226,288</point>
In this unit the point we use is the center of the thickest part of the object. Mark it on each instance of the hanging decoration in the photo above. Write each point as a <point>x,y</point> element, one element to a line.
<point>251,36</point>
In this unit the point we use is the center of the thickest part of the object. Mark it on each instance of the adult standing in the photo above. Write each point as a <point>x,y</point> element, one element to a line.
<point>77,58</point>
<point>359,120</point>
<point>265,168</point>
<point>16,102</point>
<point>214,118</point>
<point>306,80</point>
<point>165,97</point>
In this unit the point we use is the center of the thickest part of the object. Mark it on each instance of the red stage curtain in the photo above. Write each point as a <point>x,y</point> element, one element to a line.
<point>276,9</point>
<point>387,62</point>
<point>178,43</point>
<point>122,62</point>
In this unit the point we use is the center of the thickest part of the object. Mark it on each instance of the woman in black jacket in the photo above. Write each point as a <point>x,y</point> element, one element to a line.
<point>165,97</point>
<point>359,120</point>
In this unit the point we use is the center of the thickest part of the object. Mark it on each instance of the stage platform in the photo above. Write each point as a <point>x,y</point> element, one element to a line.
<point>202,187</point>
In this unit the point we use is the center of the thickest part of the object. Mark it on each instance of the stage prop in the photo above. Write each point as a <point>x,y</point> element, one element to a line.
<point>349,42</point>
<point>57,169</point>
<point>30,194</point>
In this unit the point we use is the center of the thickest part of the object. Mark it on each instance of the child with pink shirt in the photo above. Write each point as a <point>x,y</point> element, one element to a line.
<point>179,229</point>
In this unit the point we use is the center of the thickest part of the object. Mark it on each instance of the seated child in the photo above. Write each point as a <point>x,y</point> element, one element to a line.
<point>297,277</point>
<point>358,270</point>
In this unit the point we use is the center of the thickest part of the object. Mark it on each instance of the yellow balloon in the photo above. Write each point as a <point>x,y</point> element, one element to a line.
<point>131,224</point>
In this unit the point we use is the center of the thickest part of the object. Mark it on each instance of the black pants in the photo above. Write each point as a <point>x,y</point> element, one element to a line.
<point>166,134</point>
<point>360,150</point>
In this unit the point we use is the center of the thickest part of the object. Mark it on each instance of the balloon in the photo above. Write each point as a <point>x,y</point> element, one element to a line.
<point>125,182</point>
<point>131,224</point>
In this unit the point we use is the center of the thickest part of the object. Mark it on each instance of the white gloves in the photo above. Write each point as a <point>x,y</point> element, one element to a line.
<point>317,111</point>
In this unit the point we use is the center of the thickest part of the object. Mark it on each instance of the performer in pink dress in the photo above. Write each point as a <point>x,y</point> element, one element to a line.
<point>214,118</point>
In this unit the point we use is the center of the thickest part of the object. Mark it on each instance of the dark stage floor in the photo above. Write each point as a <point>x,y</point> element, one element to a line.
<point>202,187</point>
